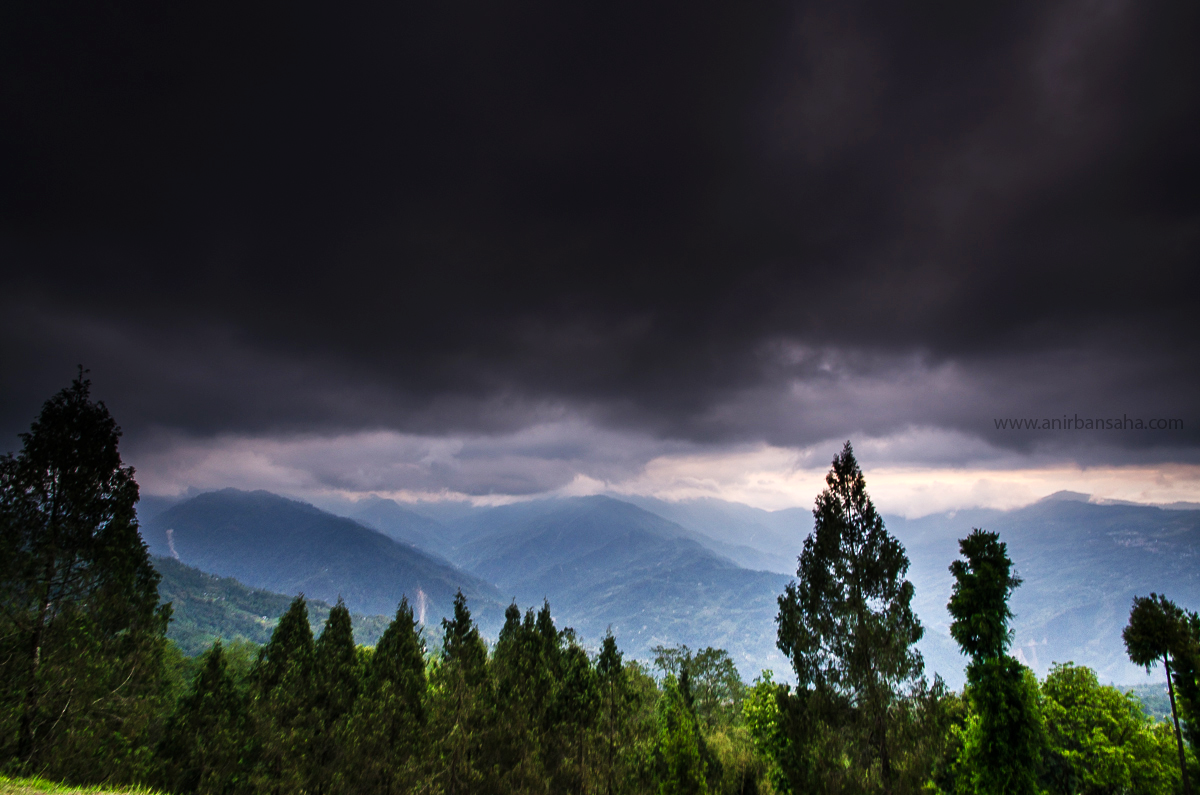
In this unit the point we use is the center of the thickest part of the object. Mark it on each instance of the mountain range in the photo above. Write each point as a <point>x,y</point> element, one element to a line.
<point>289,547</point>
<point>700,572</point>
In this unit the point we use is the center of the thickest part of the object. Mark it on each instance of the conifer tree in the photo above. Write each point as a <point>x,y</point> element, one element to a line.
<point>282,705</point>
<point>849,629</point>
<point>552,740</point>
<point>460,684</point>
<point>522,680</point>
<point>1004,746</point>
<point>574,713</point>
<point>613,708</point>
<point>386,731</point>
<point>334,692</point>
<point>203,743</point>
<point>81,632</point>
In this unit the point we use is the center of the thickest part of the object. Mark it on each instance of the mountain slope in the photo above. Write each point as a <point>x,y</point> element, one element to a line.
<point>401,524</point>
<point>288,547</point>
<point>751,537</point>
<point>602,562</point>
<point>1081,564</point>
<point>206,607</point>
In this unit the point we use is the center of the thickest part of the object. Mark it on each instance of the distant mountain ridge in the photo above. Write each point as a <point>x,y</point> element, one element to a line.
<point>1082,563</point>
<point>606,563</point>
<point>660,572</point>
<point>403,525</point>
<point>280,545</point>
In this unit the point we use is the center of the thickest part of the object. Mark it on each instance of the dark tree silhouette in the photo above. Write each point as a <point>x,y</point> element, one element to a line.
<point>1158,631</point>
<point>81,630</point>
<point>848,625</point>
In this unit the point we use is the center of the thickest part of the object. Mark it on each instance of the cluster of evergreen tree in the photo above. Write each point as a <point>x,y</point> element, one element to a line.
<point>862,718</point>
<point>535,714</point>
<point>91,691</point>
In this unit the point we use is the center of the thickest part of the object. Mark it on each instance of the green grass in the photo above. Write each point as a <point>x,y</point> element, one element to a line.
<point>37,786</point>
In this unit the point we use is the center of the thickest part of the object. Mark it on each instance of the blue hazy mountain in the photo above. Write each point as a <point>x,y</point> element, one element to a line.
<point>605,563</point>
<point>289,547</point>
<point>1082,564</point>
<point>751,537</point>
<point>401,524</point>
<point>701,572</point>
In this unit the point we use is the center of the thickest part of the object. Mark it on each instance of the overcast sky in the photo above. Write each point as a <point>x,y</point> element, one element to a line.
<point>499,250</point>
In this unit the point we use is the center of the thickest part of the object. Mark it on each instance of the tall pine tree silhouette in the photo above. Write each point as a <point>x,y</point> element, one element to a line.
<point>460,682</point>
<point>283,701</point>
<point>335,689</point>
<point>203,744</point>
<point>849,629</point>
<point>386,742</point>
<point>81,631</point>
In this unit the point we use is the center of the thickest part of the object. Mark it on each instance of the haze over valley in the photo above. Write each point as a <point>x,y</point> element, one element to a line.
<point>700,573</point>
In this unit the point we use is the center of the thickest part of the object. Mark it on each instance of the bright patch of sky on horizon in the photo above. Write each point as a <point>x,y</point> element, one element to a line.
<point>411,468</point>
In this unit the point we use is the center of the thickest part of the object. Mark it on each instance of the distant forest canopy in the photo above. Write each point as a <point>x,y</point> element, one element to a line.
<point>92,691</point>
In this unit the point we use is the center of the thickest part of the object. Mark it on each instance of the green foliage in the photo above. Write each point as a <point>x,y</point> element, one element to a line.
<point>849,629</point>
<point>385,740</point>
<point>523,668</point>
<point>763,721</point>
<point>205,607</point>
<point>983,584</point>
<point>680,762</point>
<point>715,683</point>
<point>1159,631</point>
<point>1153,698</point>
<point>281,704</point>
<point>203,747</point>
<point>624,719</point>
<point>1100,741</point>
<point>538,715</point>
<point>460,686</point>
<point>334,691</point>
<point>1003,740</point>
<point>81,630</point>
<point>572,717</point>
<point>1187,687</point>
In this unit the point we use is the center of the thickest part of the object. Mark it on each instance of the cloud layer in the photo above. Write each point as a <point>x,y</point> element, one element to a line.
<point>663,230</point>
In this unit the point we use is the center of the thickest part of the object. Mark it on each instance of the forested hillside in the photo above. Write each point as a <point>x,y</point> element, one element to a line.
<point>205,607</point>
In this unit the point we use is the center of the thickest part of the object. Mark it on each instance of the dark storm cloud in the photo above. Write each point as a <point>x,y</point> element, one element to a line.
<point>779,222</point>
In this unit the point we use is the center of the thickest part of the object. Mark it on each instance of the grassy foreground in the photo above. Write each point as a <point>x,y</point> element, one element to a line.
<point>37,786</point>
